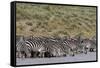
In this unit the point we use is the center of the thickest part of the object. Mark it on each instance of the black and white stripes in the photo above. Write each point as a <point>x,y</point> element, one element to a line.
<point>40,47</point>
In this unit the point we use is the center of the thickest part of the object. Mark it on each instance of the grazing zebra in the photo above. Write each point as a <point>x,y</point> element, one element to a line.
<point>73,46</point>
<point>59,48</point>
<point>53,47</point>
<point>49,47</point>
<point>35,46</point>
<point>93,46</point>
<point>21,49</point>
<point>94,43</point>
<point>63,46</point>
<point>88,45</point>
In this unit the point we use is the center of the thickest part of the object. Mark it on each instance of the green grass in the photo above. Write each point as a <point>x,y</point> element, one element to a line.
<point>53,20</point>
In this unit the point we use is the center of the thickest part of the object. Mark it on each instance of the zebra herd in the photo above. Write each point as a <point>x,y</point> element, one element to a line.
<point>42,47</point>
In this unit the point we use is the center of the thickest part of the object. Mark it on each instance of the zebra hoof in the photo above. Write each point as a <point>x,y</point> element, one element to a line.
<point>73,55</point>
<point>91,50</point>
<point>85,52</point>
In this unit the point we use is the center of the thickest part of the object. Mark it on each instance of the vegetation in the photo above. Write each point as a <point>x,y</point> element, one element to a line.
<point>55,20</point>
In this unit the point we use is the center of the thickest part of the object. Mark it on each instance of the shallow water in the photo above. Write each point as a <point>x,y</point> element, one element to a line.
<point>90,56</point>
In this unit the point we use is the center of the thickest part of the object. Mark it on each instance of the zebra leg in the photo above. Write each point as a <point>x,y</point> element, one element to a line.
<point>23,54</point>
<point>19,55</point>
<point>28,55</point>
<point>36,54</point>
<point>64,54</point>
<point>50,54</point>
<point>72,52</point>
<point>94,50</point>
<point>91,50</point>
<point>32,54</point>
<point>86,49</point>
<point>46,54</point>
<point>85,52</point>
<point>42,54</point>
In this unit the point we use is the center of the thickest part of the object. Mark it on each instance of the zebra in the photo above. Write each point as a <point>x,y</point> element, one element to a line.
<point>88,45</point>
<point>73,46</point>
<point>94,43</point>
<point>35,46</point>
<point>49,47</point>
<point>59,49</point>
<point>93,46</point>
<point>61,43</point>
<point>21,48</point>
<point>53,47</point>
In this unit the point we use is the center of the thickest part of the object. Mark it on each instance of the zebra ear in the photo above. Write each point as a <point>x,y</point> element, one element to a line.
<point>94,38</point>
<point>81,41</point>
<point>22,38</point>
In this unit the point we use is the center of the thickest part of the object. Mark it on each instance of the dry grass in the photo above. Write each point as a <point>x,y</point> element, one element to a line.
<point>44,20</point>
